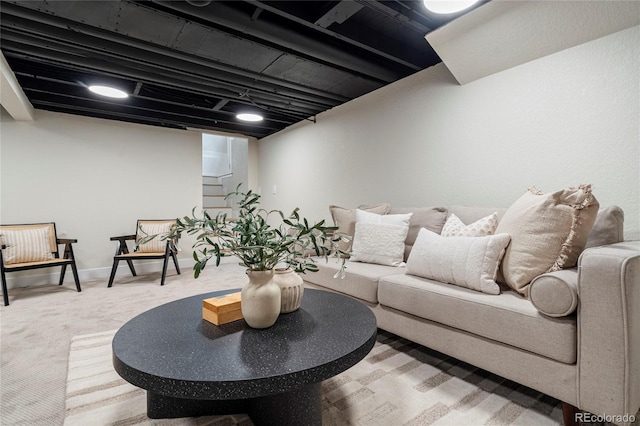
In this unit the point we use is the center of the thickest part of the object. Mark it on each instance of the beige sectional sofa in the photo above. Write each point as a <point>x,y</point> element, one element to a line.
<point>576,338</point>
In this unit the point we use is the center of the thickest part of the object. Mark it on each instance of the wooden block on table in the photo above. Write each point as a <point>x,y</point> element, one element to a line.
<point>221,310</point>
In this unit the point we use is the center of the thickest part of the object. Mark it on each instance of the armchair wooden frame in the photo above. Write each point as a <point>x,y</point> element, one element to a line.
<point>123,253</point>
<point>67,259</point>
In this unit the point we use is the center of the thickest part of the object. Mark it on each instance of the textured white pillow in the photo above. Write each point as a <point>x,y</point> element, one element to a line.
<point>454,227</point>
<point>26,245</point>
<point>345,220</point>
<point>470,262</point>
<point>157,245</point>
<point>380,238</point>
<point>379,243</point>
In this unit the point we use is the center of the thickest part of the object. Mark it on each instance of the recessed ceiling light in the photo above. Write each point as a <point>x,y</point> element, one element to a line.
<point>448,6</point>
<point>110,92</point>
<point>249,117</point>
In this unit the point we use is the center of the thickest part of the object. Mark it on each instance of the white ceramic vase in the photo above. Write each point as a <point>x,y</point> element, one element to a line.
<point>291,287</point>
<point>260,299</point>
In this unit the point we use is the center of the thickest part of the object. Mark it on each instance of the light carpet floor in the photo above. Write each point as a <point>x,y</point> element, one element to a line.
<point>398,383</point>
<point>37,327</point>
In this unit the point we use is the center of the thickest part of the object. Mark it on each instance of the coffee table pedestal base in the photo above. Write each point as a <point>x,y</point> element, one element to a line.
<point>302,406</point>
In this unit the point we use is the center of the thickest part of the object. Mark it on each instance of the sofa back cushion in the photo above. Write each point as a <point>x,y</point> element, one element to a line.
<point>608,227</point>
<point>470,214</point>
<point>431,218</point>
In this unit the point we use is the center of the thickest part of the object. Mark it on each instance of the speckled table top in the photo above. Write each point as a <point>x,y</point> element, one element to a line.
<point>171,350</point>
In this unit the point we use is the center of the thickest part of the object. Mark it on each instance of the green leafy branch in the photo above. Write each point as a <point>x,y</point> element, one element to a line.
<point>258,245</point>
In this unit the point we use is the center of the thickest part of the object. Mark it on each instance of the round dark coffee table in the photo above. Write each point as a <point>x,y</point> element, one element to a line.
<point>190,367</point>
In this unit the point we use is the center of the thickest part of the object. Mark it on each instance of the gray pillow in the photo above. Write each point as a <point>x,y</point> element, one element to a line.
<point>608,227</point>
<point>431,218</point>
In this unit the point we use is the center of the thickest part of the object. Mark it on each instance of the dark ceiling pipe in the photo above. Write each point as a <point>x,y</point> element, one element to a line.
<point>150,117</point>
<point>54,51</point>
<point>70,90</point>
<point>152,121</point>
<point>80,31</point>
<point>304,46</point>
<point>105,67</point>
<point>115,107</point>
<point>195,87</point>
<point>150,60</point>
<point>337,36</point>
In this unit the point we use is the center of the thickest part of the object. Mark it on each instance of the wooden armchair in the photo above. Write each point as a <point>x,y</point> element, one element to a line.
<point>34,246</point>
<point>154,249</point>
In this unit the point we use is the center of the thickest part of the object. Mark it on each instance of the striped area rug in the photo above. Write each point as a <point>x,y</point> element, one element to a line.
<point>398,383</point>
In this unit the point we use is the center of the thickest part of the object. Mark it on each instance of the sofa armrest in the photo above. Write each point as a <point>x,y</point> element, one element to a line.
<point>609,329</point>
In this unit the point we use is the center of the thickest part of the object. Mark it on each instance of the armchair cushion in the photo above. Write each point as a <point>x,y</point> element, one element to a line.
<point>30,244</point>
<point>158,244</point>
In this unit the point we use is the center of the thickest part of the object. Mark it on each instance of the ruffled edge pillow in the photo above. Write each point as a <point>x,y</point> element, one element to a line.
<point>26,245</point>
<point>548,233</point>
<point>470,262</point>
<point>454,227</point>
<point>380,238</point>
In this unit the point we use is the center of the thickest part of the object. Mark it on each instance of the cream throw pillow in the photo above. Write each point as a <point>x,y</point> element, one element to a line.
<point>454,227</point>
<point>157,245</point>
<point>380,238</point>
<point>363,216</point>
<point>345,220</point>
<point>548,233</point>
<point>470,262</point>
<point>26,245</point>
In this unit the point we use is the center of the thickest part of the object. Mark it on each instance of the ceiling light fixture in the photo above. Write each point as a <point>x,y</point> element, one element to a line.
<point>249,117</point>
<point>108,91</point>
<point>448,6</point>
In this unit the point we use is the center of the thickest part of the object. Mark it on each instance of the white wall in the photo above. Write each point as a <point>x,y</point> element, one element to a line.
<point>95,178</point>
<point>216,155</point>
<point>562,120</point>
<point>239,166</point>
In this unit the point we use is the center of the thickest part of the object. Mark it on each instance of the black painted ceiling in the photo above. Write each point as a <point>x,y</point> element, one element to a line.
<point>195,64</point>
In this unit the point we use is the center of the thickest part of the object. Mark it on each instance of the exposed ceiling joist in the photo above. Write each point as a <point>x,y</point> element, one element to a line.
<point>12,97</point>
<point>196,64</point>
<point>339,13</point>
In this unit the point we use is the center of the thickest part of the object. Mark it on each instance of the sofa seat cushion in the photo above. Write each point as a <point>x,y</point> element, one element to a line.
<point>507,318</point>
<point>360,281</point>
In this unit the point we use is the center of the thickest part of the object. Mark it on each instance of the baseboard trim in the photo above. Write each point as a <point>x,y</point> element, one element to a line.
<point>49,276</point>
